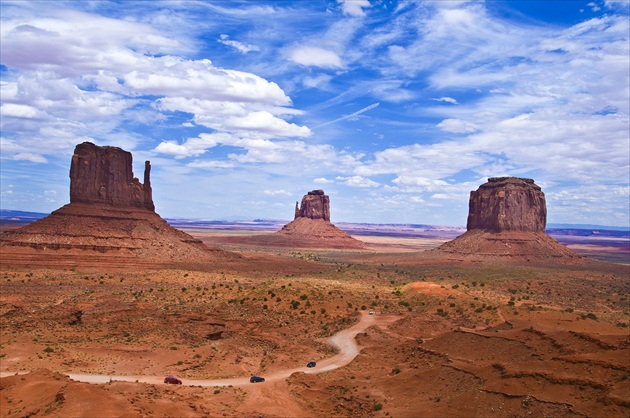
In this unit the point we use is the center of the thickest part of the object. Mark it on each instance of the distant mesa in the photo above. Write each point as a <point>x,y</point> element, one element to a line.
<point>507,217</point>
<point>312,228</point>
<point>110,213</point>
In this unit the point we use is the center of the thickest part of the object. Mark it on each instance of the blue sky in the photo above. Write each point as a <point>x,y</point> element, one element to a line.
<point>397,109</point>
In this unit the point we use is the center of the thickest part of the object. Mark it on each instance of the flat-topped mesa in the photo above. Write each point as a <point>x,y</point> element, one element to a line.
<point>104,175</point>
<point>506,221</point>
<point>315,205</point>
<point>507,204</point>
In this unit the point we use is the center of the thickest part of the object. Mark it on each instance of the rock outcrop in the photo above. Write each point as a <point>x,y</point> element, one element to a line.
<point>506,220</point>
<point>110,218</point>
<point>315,205</point>
<point>507,204</point>
<point>104,175</point>
<point>312,227</point>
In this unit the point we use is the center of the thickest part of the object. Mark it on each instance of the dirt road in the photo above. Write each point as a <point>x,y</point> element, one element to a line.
<point>344,340</point>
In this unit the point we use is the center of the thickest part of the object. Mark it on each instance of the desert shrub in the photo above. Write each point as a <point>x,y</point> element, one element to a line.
<point>377,406</point>
<point>48,350</point>
<point>303,297</point>
<point>396,370</point>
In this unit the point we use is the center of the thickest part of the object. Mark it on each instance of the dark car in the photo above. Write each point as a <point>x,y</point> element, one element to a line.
<point>172,380</point>
<point>311,364</point>
<point>256,379</point>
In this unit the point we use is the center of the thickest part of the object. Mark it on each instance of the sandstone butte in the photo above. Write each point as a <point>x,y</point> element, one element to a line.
<point>311,226</point>
<point>507,217</point>
<point>110,213</point>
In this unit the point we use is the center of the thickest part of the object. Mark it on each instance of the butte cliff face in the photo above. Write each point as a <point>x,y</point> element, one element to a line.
<point>507,204</point>
<point>104,175</point>
<point>315,205</point>
<point>312,228</point>
<point>506,219</point>
<point>110,220</point>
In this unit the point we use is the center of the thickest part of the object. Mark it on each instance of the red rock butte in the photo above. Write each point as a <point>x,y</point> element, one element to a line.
<point>312,227</point>
<point>110,217</point>
<point>506,219</point>
<point>104,175</point>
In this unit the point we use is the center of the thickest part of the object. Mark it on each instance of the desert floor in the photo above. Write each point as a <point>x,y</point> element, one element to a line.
<point>447,338</point>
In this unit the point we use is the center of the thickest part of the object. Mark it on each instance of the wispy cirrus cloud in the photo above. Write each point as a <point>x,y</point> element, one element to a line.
<point>351,116</point>
<point>239,46</point>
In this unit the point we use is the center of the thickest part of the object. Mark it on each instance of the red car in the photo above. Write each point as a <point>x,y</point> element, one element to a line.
<point>172,380</point>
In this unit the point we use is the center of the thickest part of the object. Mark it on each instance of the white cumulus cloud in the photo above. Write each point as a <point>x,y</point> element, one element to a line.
<point>310,56</point>
<point>457,126</point>
<point>358,181</point>
<point>354,7</point>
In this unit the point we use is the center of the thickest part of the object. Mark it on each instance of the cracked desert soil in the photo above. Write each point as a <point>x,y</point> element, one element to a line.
<point>449,337</point>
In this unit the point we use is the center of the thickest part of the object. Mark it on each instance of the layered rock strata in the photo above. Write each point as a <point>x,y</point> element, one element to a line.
<point>507,219</point>
<point>110,214</point>
<point>507,204</point>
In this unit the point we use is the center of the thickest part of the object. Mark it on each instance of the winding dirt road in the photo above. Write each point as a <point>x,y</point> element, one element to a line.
<point>344,340</point>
